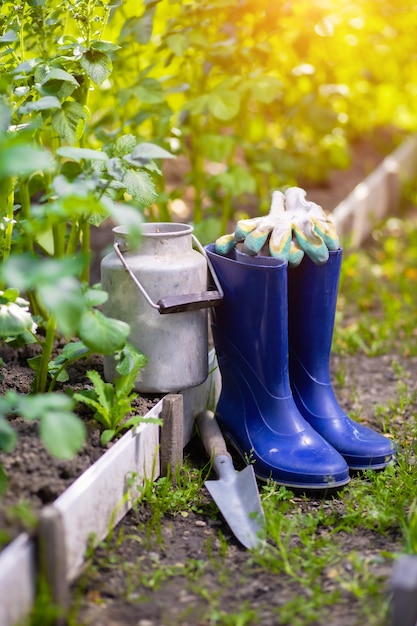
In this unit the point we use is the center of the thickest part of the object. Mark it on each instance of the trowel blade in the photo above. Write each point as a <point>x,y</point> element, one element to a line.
<point>237,497</point>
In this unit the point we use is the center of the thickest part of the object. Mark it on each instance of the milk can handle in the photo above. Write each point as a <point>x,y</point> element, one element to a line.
<point>177,304</point>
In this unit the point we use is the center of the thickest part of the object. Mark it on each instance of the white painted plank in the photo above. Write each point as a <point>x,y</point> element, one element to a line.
<point>100,497</point>
<point>17,580</point>
<point>377,195</point>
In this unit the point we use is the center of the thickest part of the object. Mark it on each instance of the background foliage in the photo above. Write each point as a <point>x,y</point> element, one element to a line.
<point>98,96</point>
<point>256,95</point>
<point>250,95</point>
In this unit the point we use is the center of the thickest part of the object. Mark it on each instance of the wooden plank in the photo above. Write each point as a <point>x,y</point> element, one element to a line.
<point>377,196</point>
<point>172,433</point>
<point>52,557</point>
<point>17,580</point>
<point>404,591</point>
<point>103,494</point>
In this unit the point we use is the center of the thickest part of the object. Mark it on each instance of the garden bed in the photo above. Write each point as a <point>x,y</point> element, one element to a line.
<point>69,506</point>
<point>40,480</point>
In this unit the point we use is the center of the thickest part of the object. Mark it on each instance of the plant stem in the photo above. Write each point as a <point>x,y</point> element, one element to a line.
<point>197,166</point>
<point>8,190</point>
<point>73,239</point>
<point>226,213</point>
<point>25,212</point>
<point>42,374</point>
<point>52,384</point>
<point>85,249</point>
<point>59,232</point>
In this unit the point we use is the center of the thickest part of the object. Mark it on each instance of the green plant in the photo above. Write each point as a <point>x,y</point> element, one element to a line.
<point>255,96</point>
<point>62,432</point>
<point>57,180</point>
<point>111,402</point>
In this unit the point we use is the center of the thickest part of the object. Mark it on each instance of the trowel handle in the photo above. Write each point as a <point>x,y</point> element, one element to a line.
<point>211,435</point>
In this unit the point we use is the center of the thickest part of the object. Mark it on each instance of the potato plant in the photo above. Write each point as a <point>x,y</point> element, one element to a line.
<point>56,183</point>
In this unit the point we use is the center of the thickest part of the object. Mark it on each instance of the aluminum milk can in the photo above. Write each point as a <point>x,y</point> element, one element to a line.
<point>160,290</point>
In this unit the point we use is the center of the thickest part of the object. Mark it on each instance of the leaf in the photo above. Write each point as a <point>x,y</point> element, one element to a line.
<point>115,169</point>
<point>78,188</point>
<point>69,121</point>
<point>224,105</point>
<point>95,297</point>
<point>34,362</point>
<point>129,217</point>
<point>178,43</point>
<point>134,421</point>
<point>130,359</point>
<point>104,396</point>
<point>198,105</point>
<point>46,103</point>
<point>97,65</point>
<point>56,370</point>
<point>102,334</point>
<point>265,88</point>
<point>8,436</point>
<point>35,406</point>
<point>138,28</point>
<point>95,219</point>
<point>104,46</point>
<point>8,37</point>
<point>11,295</point>
<point>236,181</point>
<point>59,83</point>
<point>106,436</point>
<point>26,271</point>
<point>150,90</point>
<point>145,152</point>
<point>14,320</point>
<point>5,120</point>
<point>71,351</point>
<point>89,398</point>
<point>140,186</point>
<point>81,154</point>
<point>215,147</point>
<point>124,144</point>
<point>59,75</point>
<point>63,434</point>
<point>3,481</point>
<point>64,301</point>
<point>23,160</point>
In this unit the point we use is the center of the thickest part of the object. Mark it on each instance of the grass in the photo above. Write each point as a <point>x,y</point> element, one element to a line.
<point>377,297</point>
<point>322,556</point>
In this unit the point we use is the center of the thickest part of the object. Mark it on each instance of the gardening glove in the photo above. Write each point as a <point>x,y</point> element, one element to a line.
<point>254,232</point>
<point>294,227</point>
<point>323,225</point>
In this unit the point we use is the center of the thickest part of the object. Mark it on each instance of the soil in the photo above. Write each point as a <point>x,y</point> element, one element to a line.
<point>109,595</point>
<point>122,592</point>
<point>34,477</point>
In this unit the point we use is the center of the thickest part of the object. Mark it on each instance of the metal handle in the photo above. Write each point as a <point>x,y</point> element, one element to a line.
<point>186,302</point>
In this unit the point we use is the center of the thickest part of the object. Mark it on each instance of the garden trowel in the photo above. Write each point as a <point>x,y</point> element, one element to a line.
<point>235,493</point>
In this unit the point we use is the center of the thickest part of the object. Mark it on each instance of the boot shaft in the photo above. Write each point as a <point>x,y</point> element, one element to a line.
<point>254,314</point>
<point>312,299</point>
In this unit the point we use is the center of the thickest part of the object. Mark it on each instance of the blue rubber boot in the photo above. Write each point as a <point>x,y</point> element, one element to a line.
<point>256,410</point>
<point>312,296</point>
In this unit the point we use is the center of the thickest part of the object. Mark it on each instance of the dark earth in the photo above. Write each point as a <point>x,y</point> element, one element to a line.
<point>110,595</point>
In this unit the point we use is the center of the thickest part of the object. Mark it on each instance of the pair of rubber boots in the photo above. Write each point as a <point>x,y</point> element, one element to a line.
<point>273,333</point>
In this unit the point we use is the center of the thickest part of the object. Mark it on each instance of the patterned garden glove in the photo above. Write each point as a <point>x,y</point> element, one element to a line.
<point>293,227</point>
